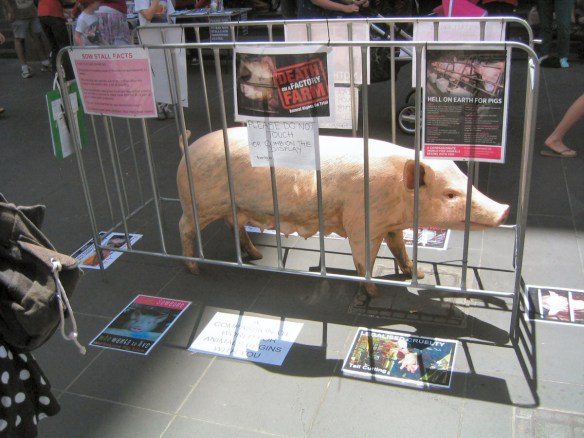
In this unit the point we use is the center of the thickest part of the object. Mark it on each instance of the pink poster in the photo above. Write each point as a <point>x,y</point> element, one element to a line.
<point>115,81</point>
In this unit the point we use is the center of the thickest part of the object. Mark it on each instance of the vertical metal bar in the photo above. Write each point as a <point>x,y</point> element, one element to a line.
<point>392,85</point>
<point>365,103</point>
<point>531,100</point>
<point>134,157</point>
<point>119,183</point>
<point>227,155</point>
<point>172,78</point>
<point>117,162</point>
<point>276,215</point>
<point>153,183</point>
<point>275,189</point>
<point>203,80</point>
<point>232,32</point>
<point>468,209</point>
<point>320,203</point>
<point>79,157</point>
<point>417,149</point>
<point>102,170</point>
<point>193,193</point>
<point>275,203</point>
<point>192,189</point>
<point>352,81</point>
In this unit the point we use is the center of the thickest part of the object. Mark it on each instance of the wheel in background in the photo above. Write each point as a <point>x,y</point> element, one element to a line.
<point>406,119</point>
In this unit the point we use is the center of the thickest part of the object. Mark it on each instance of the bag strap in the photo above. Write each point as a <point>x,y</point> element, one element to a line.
<point>64,302</point>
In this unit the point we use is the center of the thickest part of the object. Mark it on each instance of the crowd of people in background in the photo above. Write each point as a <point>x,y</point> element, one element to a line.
<point>104,22</point>
<point>556,21</point>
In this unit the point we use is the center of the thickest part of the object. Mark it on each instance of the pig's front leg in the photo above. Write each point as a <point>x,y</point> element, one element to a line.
<point>245,242</point>
<point>358,250</point>
<point>247,245</point>
<point>395,242</point>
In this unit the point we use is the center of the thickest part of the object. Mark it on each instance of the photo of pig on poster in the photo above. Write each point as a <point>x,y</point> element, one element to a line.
<point>295,84</point>
<point>556,304</point>
<point>465,104</point>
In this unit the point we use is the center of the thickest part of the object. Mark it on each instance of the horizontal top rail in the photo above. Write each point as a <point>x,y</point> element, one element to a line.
<point>356,43</point>
<point>368,20</point>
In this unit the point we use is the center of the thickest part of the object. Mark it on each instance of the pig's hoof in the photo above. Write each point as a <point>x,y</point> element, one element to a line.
<point>371,290</point>
<point>254,254</point>
<point>192,267</point>
<point>408,272</point>
<point>362,298</point>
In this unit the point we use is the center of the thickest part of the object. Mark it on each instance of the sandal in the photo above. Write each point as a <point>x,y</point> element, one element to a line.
<point>565,153</point>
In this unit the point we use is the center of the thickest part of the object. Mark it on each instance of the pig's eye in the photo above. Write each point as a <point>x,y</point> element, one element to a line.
<point>451,195</point>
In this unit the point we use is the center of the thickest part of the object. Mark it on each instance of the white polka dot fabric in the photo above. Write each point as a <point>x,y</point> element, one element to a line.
<point>25,394</point>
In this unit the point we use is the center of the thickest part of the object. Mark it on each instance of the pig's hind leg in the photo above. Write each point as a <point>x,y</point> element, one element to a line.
<point>188,237</point>
<point>395,242</point>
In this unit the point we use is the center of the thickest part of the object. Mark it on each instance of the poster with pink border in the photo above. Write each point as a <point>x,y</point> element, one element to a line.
<point>115,81</point>
<point>465,104</point>
<point>141,324</point>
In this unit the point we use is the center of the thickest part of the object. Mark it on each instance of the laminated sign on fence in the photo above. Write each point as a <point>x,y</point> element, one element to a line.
<point>281,94</point>
<point>466,104</point>
<point>61,133</point>
<point>115,81</point>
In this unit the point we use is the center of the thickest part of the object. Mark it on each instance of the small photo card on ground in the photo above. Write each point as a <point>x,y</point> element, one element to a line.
<point>394,357</point>
<point>87,257</point>
<point>554,304</point>
<point>141,324</point>
<point>251,338</point>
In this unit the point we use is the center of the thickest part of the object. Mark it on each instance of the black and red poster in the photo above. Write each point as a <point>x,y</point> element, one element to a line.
<point>465,104</point>
<point>283,83</point>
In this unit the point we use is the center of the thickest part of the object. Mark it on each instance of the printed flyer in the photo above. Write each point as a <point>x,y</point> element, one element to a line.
<point>465,104</point>
<point>115,81</point>
<point>141,324</point>
<point>386,356</point>
<point>552,304</point>
<point>86,255</point>
<point>291,83</point>
<point>428,237</point>
<point>251,338</point>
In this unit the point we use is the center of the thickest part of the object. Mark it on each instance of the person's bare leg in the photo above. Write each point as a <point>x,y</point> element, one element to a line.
<point>20,51</point>
<point>555,141</point>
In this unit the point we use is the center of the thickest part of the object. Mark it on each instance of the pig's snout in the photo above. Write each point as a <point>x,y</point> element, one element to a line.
<point>504,215</point>
<point>487,213</point>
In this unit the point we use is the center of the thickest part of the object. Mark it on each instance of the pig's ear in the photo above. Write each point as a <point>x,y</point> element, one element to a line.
<point>410,174</point>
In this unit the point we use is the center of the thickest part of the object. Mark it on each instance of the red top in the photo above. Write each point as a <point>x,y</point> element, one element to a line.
<point>50,8</point>
<point>118,5</point>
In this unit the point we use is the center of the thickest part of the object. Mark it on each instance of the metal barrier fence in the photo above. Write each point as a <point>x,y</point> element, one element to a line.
<point>115,186</point>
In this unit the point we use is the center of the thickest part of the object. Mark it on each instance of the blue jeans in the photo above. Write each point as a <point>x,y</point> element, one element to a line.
<point>563,10</point>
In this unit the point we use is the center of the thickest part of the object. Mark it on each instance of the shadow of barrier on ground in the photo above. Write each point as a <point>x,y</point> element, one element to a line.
<point>314,361</point>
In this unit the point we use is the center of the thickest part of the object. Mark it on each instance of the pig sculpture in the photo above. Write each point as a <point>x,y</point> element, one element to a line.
<point>442,195</point>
